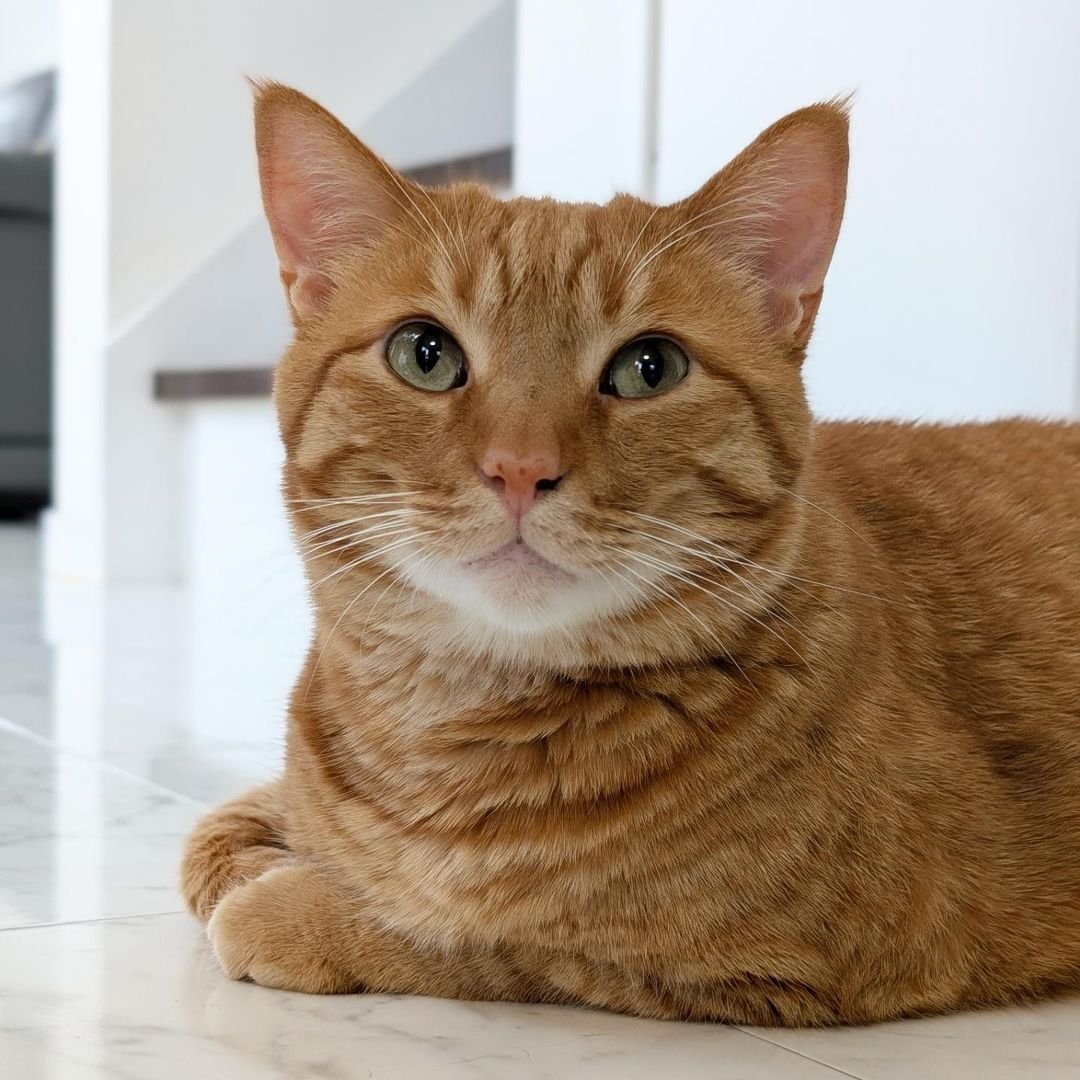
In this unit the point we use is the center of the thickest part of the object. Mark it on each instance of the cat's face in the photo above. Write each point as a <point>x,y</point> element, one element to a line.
<point>531,416</point>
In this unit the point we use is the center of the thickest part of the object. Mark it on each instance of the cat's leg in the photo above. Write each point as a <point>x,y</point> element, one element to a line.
<point>762,1001</point>
<point>274,919</point>
<point>235,843</point>
<point>294,929</point>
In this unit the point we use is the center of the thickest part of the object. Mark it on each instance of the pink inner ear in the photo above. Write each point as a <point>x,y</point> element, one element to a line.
<point>300,215</point>
<point>294,223</point>
<point>797,253</point>
<point>324,196</point>
<point>313,206</point>
<point>780,203</point>
<point>800,232</point>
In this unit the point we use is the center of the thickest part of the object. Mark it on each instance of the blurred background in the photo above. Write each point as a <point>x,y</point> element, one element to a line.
<point>141,313</point>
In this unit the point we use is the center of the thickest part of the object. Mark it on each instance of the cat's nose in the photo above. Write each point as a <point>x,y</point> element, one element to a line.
<point>520,478</point>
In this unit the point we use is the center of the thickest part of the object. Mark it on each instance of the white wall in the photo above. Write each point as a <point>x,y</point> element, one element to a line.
<point>954,291</point>
<point>584,90</point>
<point>183,168</point>
<point>29,38</point>
<point>230,312</point>
<point>81,283</point>
<point>242,571</point>
<point>461,104</point>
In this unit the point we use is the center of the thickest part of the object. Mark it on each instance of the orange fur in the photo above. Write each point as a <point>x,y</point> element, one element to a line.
<point>814,756</point>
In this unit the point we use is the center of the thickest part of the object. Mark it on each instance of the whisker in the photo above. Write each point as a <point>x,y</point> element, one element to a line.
<point>347,499</point>
<point>734,556</point>
<point>415,207</point>
<point>762,597</point>
<point>331,224</point>
<point>450,232</point>
<point>758,592</point>
<point>680,575</point>
<point>357,500</point>
<point>404,512</point>
<point>680,227</point>
<point>649,601</point>
<point>352,603</point>
<point>461,234</point>
<point>644,261</point>
<point>711,631</point>
<point>709,212</point>
<point>828,514</point>
<point>387,532</point>
<point>727,564</point>
<point>336,545</point>
<point>424,560</point>
<point>772,599</point>
<point>371,555</point>
<point>637,239</point>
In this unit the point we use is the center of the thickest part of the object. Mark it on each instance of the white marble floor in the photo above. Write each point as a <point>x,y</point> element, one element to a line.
<point>121,718</point>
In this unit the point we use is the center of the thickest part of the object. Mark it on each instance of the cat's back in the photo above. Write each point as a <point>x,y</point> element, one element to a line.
<point>921,488</point>
<point>973,532</point>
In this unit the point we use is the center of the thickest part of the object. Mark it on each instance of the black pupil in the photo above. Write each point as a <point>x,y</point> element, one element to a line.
<point>428,349</point>
<point>650,364</point>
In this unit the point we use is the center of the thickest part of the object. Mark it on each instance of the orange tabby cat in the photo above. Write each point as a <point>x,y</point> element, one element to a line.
<point>631,685</point>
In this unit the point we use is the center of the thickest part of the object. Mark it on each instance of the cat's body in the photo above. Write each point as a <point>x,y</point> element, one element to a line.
<point>829,772</point>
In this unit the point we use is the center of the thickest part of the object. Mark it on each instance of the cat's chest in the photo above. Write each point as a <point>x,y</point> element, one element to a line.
<point>502,875</point>
<point>496,822</point>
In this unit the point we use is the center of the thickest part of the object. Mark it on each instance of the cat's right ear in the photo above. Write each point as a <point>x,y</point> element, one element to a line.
<point>324,192</point>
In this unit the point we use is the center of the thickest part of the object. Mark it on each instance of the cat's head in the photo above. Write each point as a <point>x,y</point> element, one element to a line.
<point>532,426</point>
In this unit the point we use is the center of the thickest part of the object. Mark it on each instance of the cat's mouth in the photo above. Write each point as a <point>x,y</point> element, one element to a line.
<point>515,587</point>
<point>518,561</point>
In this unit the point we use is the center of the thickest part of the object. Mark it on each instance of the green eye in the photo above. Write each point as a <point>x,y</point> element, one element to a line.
<point>644,368</point>
<point>427,357</point>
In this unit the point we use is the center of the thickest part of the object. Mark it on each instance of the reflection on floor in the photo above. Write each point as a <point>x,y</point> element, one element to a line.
<point>121,718</point>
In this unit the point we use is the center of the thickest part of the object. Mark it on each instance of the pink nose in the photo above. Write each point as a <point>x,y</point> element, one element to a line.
<point>520,478</point>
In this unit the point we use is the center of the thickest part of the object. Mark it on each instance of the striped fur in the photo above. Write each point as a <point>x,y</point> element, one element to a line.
<point>798,743</point>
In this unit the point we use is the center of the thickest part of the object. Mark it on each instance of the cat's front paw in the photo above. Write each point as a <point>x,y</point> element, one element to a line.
<point>283,930</point>
<point>232,845</point>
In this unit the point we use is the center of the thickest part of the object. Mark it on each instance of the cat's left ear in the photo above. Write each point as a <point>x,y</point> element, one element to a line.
<point>776,210</point>
<point>326,195</point>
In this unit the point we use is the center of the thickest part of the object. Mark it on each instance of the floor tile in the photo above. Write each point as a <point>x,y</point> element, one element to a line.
<point>1039,1042</point>
<point>83,841</point>
<point>184,689</point>
<point>141,999</point>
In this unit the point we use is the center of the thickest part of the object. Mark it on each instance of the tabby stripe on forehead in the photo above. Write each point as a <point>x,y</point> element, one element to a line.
<point>578,260</point>
<point>463,281</point>
<point>502,257</point>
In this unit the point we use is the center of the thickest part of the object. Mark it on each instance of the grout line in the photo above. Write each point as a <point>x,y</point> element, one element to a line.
<point>799,1053</point>
<point>87,922</point>
<point>107,766</point>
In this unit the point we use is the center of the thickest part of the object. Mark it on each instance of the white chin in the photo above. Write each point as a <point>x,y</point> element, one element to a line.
<point>515,589</point>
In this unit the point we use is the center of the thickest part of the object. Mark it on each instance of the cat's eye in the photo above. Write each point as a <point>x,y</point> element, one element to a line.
<point>427,357</point>
<point>644,368</point>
